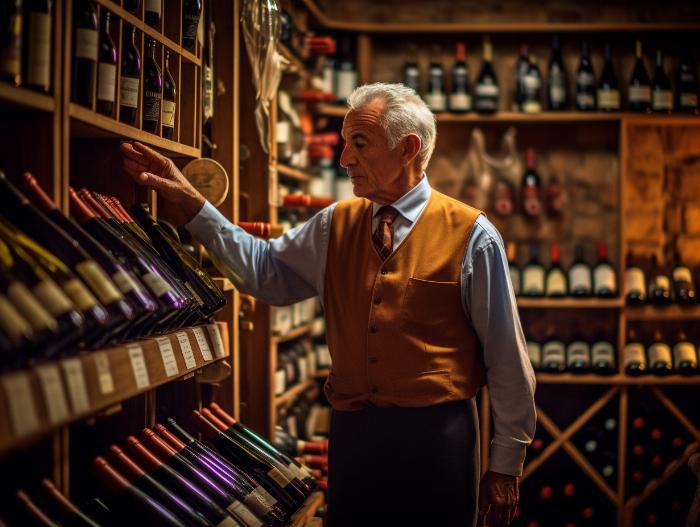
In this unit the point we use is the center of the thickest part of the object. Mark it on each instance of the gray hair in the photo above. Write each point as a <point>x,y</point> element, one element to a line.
<point>404,113</point>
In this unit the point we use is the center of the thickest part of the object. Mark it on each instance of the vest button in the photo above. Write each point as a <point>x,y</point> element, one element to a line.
<point>377,300</point>
<point>373,329</point>
<point>384,271</point>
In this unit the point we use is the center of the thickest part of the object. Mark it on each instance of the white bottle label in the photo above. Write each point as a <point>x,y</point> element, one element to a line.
<point>634,352</point>
<point>534,351</point>
<point>684,351</point>
<point>580,277</point>
<point>54,394</point>
<point>487,90</point>
<point>107,82</point>
<point>278,477</point>
<point>138,365</point>
<point>228,522</point>
<point>98,281</point>
<point>689,100</point>
<point>461,102</point>
<point>86,44</point>
<point>553,351</point>
<point>265,496</point>
<point>12,322</point>
<point>39,59</point>
<point>662,282</point>
<point>578,351</point>
<point>77,389</point>
<point>533,280</point>
<point>186,349</point>
<point>280,381</point>
<point>124,282</point>
<point>609,99</point>
<point>640,94</point>
<point>436,101</point>
<point>604,278</point>
<point>282,131</point>
<point>660,352</point>
<point>556,284</point>
<point>602,352</point>
<point>168,355</point>
<point>346,82</point>
<point>217,341</point>
<point>104,373</point>
<point>169,113</point>
<point>129,92</point>
<point>202,344</point>
<point>20,402</point>
<point>80,295</point>
<point>153,5</point>
<point>662,100</point>
<point>52,298</point>
<point>634,281</point>
<point>32,306</point>
<point>682,274</point>
<point>156,284</point>
<point>240,511</point>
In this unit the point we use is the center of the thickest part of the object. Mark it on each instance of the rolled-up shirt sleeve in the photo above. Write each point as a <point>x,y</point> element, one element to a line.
<point>281,271</point>
<point>490,304</point>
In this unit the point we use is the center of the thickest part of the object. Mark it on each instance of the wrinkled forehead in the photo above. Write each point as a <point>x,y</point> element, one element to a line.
<point>364,120</point>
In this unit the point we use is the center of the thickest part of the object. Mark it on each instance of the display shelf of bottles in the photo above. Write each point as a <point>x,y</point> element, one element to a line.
<point>295,64</point>
<point>322,373</point>
<point>35,401</point>
<point>308,510</point>
<point>27,98</point>
<point>223,283</point>
<point>570,303</point>
<point>294,392</point>
<point>95,125</point>
<point>673,312</point>
<point>293,173</point>
<point>293,334</point>
<point>569,378</point>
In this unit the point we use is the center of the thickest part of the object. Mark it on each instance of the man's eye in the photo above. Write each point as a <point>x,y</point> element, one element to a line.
<point>359,145</point>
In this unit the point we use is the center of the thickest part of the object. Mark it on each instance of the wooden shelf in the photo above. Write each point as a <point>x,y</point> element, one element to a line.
<point>86,123</point>
<point>294,392</point>
<point>569,303</point>
<point>673,312</point>
<point>293,334</point>
<point>26,98</point>
<point>322,373</point>
<point>619,379</point>
<point>295,65</point>
<point>36,401</point>
<point>293,173</point>
<point>308,510</point>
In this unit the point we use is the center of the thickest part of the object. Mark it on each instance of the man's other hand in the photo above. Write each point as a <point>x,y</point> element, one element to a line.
<point>150,168</point>
<point>498,498</point>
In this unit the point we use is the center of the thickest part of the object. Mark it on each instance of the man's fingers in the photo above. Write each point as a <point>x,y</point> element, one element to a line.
<point>147,152</point>
<point>134,166</point>
<point>157,182</point>
<point>128,151</point>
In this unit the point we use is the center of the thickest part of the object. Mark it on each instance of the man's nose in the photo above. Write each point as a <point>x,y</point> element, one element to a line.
<point>347,158</point>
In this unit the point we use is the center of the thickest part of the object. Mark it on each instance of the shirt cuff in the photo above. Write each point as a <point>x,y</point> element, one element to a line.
<point>207,223</point>
<point>507,460</point>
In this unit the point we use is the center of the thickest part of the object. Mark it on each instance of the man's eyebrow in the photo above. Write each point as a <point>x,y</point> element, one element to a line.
<point>358,135</point>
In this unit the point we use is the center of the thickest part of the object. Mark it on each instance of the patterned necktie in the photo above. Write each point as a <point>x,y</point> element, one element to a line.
<point>383,237</point>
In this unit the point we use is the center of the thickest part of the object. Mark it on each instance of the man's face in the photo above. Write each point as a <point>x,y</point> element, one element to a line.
<point>374,170</point>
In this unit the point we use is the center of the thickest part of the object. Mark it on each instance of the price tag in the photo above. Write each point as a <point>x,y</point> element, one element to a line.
<point>186,349</point>
<point>202,343</point>
<point>168,356</point>
<point>20,403</point>
<point>75,380</point>
<point>54,396</point>
<point>104,373</point>
<point>217,342</point>
<point>138,364</point>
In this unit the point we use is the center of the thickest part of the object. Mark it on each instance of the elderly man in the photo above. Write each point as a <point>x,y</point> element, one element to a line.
<point>420,315</point>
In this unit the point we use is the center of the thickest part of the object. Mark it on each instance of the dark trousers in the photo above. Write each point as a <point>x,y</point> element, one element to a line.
<point>404,466</point>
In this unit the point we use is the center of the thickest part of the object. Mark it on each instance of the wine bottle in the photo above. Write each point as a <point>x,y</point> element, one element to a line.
<point>208,68</point>
<point>411,70</point>
<point>191,11</point>
<point>634,355</point>
<point>503,197</point>
<point>86,52</point>
<point>169,100</point>
<point>585,81</point>
<point>64,510</point>
<point>687,83</point>
<point>553,353</point>
<point>532,88</point>
<point>683,284</point>
<point>152,12</point>
<point>556,79</point>
<point>522,67</point>
<point>460,98</point>
<point>487,91</point>
<point>580,275</point>
<point>608,91</point>
<point>130,77</point>
<point>635,282</point>
<point>37,67</point>
<point>346,74</point>
<point>533,275</point>
<point>435,96</point>
<point>534,352</point>
<point>513,269</point>
<point>639,88</point>
<point>685,355</point>
<point>132,5</point>
<point>28,512</point>
<point>578,353</point>
<point>660,359</point>
<point>107,70</point>
<point>152,90</point>
<point>11,41</point>
<point>293,446</point>
<point>604,280</point>
<point>659,284</point>
<point>603,354</point>
<point>130,500</point>
<point>661,91</point>
<point>556,283</point>
<point>531,188</point>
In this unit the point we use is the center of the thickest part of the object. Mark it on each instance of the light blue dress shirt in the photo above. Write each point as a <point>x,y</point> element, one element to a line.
<point>292,268</point>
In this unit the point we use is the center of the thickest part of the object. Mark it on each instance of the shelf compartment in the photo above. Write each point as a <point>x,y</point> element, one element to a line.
<point>294,173</point>
<point>26,98</point>
<point>673,312</point>
<point>293,334</point>
<point>308,510</point>
<point>294,392</point>
<point>569,303</point>
<point>36,401</point>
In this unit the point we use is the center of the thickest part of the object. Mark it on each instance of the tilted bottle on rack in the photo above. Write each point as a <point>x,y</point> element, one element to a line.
<point>106,70</point>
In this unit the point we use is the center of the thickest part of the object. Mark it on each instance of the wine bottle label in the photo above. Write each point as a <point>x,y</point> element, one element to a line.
<point>689,100</point>
<point>167,354</point>
<point>585,79</point>
<point>151,106</point>
<point>460,102</point>
<point>324,356</point>
<point>12,323</point>
<point>282,131</point>
<point>208,93</point>
<point>609,99</point>
<point>533,280</point>
<point>487,90</point>
<point>553,352</point>
<point>241,512</point>
<point>346,82</point>
<point>515,279</point>
<point>216,340</point>
<point>634,281</point>
<point>580,277</point>
<point>303,369</point>
<point>436,101</point>
<point>169,113</point>
<point>86,44</point>
<point>39,54</point>
<point>534,351</point>
<point>33,307</point>
<point>557,93</point>
<point>228,522</point>
<point>660,352</point>
<point>194,294</point>
<point>11,47</point>
<point>99,282</point>
<point>685,352</point>
<point>556,283</point>
<point>585,100</point>
<point>20,403</point>
<point>80,295</point>
<point>54,395</point>
<point>265,496</point>
<point>604,278</point>
<point>107,82</point>
<point>153,5</point>
<point>280,381</point>
<point>104,373</point>
<point>189,26</point>
<point>52,298</point>
<point>662,282</point>
<point>682,274</point>
<point>75,382</point>
<point>640,94</point>
<point>602,352</point>
<point>662,100</point>
<point>411,76</point>
<point>202,344</point>
<point>156,284</point>
<point>578,351</point>
<point>138,365</point>
<point>186,349</point>
<point>129,92</point>
<point>278,477</point>
<point>125,282</point>
<point>634,353</point>
<point>532,106</point>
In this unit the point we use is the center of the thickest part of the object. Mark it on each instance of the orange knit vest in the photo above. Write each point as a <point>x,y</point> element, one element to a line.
<point>396,330</point>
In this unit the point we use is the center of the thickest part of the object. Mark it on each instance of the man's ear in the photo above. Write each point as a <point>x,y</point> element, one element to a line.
<point>410,148</point>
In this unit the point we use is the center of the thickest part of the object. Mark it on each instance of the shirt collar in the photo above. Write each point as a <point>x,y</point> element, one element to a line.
<point>410,204</point>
